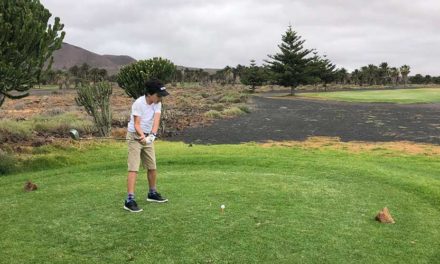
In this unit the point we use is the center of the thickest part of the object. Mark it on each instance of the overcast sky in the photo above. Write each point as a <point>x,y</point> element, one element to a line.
<point>216,33</point>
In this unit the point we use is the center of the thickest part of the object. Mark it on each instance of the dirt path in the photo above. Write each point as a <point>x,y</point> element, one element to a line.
<point>297,119</point>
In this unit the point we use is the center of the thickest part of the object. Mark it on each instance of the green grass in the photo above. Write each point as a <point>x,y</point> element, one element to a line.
<point>49,123</point>
<point>402,96</point>
<point>283,205</point>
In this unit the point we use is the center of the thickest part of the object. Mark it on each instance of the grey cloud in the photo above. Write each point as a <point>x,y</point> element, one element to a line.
<point>199,33</point>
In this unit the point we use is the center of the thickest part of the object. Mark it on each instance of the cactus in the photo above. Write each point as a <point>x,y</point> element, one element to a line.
<point>27,43</point>
<point>96,101</point>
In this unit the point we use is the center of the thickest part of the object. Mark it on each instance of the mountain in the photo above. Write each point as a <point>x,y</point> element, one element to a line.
<point>70,55</point>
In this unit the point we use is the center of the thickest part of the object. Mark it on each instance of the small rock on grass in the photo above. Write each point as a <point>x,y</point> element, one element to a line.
<point>29,186</point>
<point>384,216</point>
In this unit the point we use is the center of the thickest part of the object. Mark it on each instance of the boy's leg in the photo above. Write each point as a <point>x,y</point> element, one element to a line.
<point>148,157</point>
<point>152,175</point>
<point>130,203</point>
<point>131,181</point>
<point>134,150</point>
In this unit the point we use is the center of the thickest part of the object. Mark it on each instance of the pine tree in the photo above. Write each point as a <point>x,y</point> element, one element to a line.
<point>290,67</point>
<point>328,73</point>
<point>253,76</point>
<point>26,45</point>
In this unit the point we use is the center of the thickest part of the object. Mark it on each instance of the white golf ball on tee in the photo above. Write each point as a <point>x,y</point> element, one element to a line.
<point>222,206</point>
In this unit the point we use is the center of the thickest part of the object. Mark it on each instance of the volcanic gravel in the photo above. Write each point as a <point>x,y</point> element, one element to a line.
<point>298,118</point>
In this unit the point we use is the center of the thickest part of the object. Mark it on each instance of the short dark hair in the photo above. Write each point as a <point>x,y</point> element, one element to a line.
<point>152,86</point>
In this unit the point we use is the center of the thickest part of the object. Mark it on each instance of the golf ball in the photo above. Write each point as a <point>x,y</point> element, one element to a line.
<point>222,206</point>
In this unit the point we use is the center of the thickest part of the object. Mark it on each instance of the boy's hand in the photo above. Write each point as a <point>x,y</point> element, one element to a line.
<point>150,139</point>
<point>143,140</point>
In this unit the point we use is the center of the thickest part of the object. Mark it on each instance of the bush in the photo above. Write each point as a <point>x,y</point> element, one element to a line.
<point>233,98</point>
<point>213,114</point>
<point>61,124</point>
<point>218,107</point>
<point>234,111</point>
<point>7,163</point>
<point>11,130</point>
<point>244,108</point>
<point>132,77</point>
<point>230,98</point>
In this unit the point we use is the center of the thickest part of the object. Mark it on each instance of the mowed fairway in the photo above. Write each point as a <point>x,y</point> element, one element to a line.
<point>401,96</point>
<point>283,205</point>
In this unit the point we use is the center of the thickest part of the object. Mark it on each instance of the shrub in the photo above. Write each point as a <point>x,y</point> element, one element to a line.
<point>234,111</point>
<point>213,114</point>
<point>218,106</point>
<point>60,124</point>
<point>233,98</point>
<point>7,163</point>
<point>12,130</point>
<point>132,77</point>
<point>244,108</point>
<point>230,98</point>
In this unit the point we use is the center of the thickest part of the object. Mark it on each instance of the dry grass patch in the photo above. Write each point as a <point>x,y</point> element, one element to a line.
<point>398,147</point>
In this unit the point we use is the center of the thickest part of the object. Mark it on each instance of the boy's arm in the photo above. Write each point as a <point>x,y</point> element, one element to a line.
<point>156,123</point>
<point>137,127</point>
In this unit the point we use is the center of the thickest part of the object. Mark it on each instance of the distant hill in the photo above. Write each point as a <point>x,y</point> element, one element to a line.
<point>70,55</point>
<point>120,60</point>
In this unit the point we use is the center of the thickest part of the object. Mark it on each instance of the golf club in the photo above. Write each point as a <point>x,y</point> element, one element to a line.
<point>74,134</point>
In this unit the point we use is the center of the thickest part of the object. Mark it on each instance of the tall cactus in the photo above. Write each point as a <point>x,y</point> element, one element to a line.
<point>132,77</point>
<point>96,101</point>
<point>27,42</point>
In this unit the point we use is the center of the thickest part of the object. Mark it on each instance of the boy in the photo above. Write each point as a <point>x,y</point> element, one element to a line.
<point>142,130</point>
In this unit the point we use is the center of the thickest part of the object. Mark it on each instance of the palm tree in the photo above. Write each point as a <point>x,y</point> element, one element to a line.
<point>372,74</point>
<point>356,77</point>
<point>405,70</point>
<point>394,74</point>
<point>384,72</point>
<point>342,75</point>
<point>364,75</point>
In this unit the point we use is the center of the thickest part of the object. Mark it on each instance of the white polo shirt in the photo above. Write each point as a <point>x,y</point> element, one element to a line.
<point>145,112</point>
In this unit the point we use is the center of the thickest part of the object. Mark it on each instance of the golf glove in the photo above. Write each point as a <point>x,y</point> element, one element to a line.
<point>150,139</point>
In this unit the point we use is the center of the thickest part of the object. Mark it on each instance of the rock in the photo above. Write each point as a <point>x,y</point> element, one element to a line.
<point>384,216</point>
<point>29,186</point>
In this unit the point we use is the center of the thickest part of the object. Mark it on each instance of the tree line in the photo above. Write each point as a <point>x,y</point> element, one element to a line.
<point>295,65</point>
<point>75,76</point>
<point>28,42</point>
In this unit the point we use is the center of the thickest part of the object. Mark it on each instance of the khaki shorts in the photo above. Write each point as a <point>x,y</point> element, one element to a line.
<point>138,152</point>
